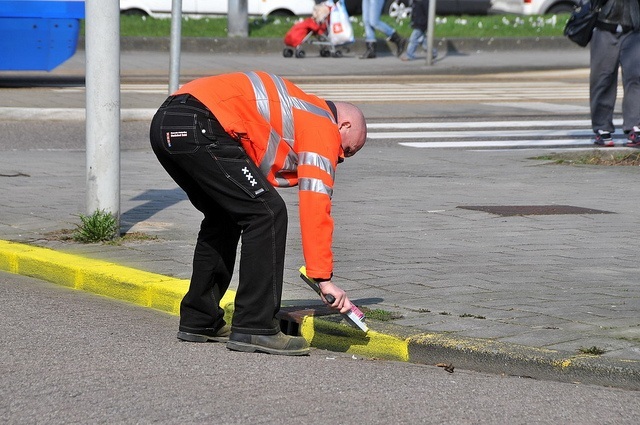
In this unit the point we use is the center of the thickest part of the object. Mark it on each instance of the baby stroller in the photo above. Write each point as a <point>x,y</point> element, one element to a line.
<point>329,27</point>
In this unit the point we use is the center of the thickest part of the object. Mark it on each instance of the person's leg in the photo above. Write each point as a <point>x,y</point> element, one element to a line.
<point>422,40</point>
<point>630,63</point>
<point>213,264</point>
<point>261,214</point>
<point>367,20</point>
<point>227,175</point>
<point>261,268</point>
<point>392,35</point>
<point>412,46</point>
<point>201,317</point>
<point>425,45</point>
<point>603,79</point>
<point>369,31</point>
<point>375,11</point>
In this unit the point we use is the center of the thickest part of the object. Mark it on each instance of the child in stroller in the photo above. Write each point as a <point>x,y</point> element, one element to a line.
<point>312,30</point>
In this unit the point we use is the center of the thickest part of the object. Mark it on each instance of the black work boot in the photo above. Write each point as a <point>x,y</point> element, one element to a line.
<point>279,343</point>
<point>205,335</point>
<point>400,42</point>
<point>370,53</point>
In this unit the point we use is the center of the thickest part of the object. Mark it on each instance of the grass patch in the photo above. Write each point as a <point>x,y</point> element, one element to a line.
<point>420,310</point>
<point>626,338</point>
<point>595,157</point>
<point>68,235</point>
<point>131,237</point>
<point>472,316</point>
<point>594,351</point>
<point>276,27</point>
<point>63,235</point>
<point>379,314</point>
<point>100,226</point>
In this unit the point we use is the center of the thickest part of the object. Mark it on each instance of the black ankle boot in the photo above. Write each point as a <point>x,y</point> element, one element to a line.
<point>370,53</point>
<point>400,42</point>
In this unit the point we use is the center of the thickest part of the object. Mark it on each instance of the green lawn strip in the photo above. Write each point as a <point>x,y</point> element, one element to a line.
<point>498,26</point>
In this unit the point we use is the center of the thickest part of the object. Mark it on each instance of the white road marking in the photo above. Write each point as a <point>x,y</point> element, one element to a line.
<point>502,91</point>
<point>477,134</point>
<point>508,135</point>
<point>543,106</point>
<point>499,143</point>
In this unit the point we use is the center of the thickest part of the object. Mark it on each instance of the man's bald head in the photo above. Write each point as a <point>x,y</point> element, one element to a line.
<point>352,127</point>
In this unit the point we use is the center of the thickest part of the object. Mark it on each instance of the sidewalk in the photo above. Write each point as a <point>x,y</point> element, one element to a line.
<point>505,294</point>
<point>148,59</point>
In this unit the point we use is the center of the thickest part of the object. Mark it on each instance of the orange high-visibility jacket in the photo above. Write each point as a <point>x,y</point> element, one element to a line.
<point>292,137</point>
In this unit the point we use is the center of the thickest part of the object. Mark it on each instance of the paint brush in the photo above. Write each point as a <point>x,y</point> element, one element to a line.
<point>355,317</point>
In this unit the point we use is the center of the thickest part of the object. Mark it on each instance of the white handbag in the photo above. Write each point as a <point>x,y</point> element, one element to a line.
<point>340,29</point>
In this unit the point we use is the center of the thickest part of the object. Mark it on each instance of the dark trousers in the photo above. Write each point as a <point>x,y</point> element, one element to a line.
<point>609,53</point>
<point>237,201</point>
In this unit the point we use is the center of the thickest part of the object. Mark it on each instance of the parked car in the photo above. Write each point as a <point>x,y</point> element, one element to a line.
<point>162,8</point>
<point>535,7</point>
<point>402,8</point>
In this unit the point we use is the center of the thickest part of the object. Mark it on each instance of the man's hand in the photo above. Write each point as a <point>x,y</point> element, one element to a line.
<point>341,302</point>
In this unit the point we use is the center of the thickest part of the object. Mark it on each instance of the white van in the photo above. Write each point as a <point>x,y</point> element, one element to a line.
<point>199,8</point>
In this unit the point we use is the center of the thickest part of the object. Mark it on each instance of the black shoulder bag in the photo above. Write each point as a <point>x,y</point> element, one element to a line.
<point>581,23</point>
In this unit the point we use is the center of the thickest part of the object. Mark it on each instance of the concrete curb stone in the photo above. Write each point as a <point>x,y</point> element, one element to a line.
<point>384,341</point>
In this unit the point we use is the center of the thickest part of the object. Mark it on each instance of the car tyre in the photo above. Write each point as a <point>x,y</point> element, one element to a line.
<point>561,8</point>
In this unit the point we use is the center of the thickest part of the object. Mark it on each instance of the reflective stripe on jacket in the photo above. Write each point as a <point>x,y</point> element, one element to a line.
<point>292,137</point>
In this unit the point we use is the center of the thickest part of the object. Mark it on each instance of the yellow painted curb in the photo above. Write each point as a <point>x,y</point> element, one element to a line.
<point>339,337</point>
<point>165,293</point>
<point>100,277</point>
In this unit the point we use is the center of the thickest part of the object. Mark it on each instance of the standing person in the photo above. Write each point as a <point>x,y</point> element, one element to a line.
<point>419,23</point>
<point>228,141</point>
<point>371,11</point>
<point>616,43</point>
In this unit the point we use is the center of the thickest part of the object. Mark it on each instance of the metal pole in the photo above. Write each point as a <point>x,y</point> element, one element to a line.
<point>430,28</point>
<point>176,30</point>
<point>102,47</point>
<point>238,19</point>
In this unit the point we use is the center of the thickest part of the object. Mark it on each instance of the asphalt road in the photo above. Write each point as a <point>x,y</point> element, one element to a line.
<point>51,112</point>
<point>73,357</point>
<point>416,96</point>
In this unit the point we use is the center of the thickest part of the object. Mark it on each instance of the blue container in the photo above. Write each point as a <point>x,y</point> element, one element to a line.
<point>38,35</point>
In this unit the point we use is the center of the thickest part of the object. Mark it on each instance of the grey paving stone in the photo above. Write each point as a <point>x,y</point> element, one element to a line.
<point>401,243</point>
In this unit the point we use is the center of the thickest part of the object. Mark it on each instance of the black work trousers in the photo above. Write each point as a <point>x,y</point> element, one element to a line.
<point>237,201</point>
